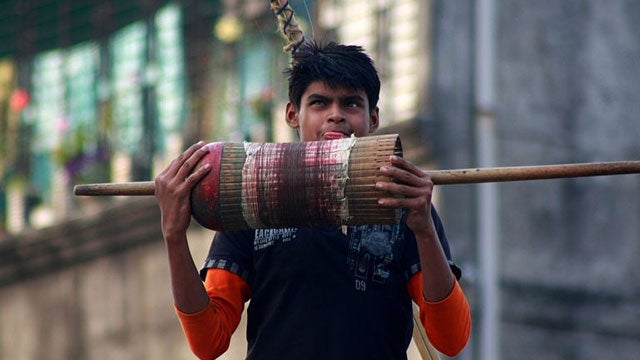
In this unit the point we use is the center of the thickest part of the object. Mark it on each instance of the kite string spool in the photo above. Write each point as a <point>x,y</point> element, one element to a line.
<point>267,185</point>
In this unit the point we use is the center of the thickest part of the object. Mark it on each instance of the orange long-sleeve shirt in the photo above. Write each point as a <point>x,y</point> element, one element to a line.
<point>446,322</point>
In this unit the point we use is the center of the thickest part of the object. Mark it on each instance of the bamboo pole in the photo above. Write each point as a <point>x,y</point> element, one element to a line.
<point>540,172</point>
<point>423,344</point>
<point>134,188</point>
<point>439,177</point>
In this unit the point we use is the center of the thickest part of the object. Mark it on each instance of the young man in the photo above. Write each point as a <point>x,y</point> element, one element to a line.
<point>318,293</point>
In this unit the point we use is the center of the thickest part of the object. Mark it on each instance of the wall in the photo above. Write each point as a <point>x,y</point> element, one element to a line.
<point>568,90</point>
<point>98,287</point>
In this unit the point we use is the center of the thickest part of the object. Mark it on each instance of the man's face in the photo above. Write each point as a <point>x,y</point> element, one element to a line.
<point>328,113</point>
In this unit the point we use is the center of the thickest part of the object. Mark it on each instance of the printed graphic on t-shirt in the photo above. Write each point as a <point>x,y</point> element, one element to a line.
<point>267,237</point>
<point>371,252</point>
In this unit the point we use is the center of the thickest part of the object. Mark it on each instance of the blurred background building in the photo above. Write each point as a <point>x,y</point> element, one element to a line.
<point>106,91</point>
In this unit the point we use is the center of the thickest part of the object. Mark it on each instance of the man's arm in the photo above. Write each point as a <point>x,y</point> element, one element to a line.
<point>209,330</point>
<point>172,190</point>
<point>447,322</point>
<point>412,189</point>
<point>208,314</point>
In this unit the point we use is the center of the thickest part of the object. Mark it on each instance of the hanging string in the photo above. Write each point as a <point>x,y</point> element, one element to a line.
<point>288,25</point>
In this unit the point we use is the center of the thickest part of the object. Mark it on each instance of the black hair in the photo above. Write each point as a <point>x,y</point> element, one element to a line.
<point>336,65</point>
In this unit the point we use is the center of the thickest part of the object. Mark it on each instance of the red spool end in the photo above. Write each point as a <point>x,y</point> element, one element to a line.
<point>205,195</point>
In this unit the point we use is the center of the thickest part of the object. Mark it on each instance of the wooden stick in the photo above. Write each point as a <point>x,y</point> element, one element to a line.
<point>423,344</point>
<point>122,188</point>
<point>541,172</point>
<point>439,177</point>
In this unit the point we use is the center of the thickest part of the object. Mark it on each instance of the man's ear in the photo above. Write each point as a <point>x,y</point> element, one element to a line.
<point>374,120</point>
<point>292,116</point>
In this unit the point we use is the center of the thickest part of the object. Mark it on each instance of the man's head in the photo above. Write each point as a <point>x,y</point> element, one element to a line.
<point>336,65</point>
<point>333,92</point>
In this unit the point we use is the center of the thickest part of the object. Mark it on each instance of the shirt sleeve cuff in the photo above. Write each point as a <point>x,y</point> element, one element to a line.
<point>447,322</point>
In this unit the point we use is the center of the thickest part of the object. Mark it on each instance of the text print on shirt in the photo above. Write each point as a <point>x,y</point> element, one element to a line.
<point>267,237</point>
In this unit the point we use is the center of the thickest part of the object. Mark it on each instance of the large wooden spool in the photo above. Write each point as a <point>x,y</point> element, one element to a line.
<point>271,185</point>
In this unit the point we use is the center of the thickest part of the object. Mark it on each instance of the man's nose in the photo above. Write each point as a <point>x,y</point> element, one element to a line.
<point>336,114</point>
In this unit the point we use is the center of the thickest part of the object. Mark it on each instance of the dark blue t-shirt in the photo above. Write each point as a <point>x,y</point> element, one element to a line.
<point>317,293</point>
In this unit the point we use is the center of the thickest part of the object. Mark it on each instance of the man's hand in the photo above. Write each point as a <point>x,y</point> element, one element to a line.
<point>173,188</point>
<point>413,188</point>
<point>416,188</point>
